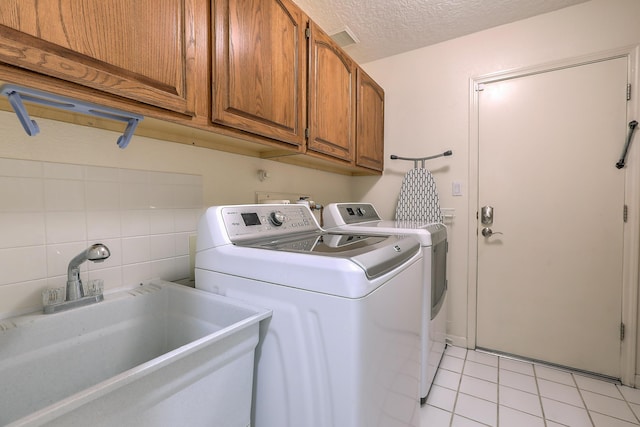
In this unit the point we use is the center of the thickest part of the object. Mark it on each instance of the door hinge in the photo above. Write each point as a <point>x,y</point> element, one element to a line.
<point>621,331</point>
<point>307,32</point>
<point>625,213</point>
<point>306,132</point>
<point>628,91</point>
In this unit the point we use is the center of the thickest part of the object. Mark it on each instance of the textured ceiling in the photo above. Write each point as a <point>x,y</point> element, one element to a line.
<point>388,27</point>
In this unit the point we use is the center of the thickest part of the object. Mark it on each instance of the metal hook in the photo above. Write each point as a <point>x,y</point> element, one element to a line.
<point>415,160</point>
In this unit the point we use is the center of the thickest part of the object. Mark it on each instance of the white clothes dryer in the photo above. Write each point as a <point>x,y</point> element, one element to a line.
<point>363,218</point>
<point>342,348</point>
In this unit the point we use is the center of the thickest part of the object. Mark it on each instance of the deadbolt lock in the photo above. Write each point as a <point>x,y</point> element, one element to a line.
<point>486,215</point>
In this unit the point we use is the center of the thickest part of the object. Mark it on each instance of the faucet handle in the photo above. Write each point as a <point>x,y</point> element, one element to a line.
<point>53,296</point>
<point>93,287</point>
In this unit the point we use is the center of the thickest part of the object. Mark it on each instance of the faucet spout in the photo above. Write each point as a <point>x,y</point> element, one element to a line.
<point>96,253</point>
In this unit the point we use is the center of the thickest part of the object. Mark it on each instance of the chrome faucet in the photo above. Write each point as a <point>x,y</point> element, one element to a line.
<point>96,253</point>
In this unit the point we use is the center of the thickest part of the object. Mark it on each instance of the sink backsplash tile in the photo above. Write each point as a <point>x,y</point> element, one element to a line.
<point>51,211</point>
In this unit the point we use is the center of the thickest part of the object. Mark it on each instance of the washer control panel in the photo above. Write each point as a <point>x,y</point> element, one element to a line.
<point>250,222</point>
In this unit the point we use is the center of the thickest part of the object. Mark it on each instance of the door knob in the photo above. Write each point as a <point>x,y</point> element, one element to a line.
<point>487,232</point>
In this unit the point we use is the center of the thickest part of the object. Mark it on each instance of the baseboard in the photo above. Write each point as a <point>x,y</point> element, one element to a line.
<point>457,341</point>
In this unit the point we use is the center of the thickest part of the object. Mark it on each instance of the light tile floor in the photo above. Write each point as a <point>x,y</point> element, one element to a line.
<point>473,388</point>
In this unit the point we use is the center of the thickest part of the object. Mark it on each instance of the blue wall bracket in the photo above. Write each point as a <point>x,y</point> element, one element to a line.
<point>16,95</point>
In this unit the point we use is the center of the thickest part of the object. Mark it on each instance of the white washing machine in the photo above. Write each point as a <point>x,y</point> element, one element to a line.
<point>363,218</point>
<point>342,348</point>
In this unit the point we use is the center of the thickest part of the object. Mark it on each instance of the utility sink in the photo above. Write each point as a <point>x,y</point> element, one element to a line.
<point>159,354</point>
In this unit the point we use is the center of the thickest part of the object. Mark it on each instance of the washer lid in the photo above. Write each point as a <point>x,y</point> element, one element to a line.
<point>376,255</point>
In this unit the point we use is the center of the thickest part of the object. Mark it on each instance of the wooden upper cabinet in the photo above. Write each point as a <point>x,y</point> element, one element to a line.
<point>370,123</point>
<point>141,50</point>
<point>259,68</point>
<point>331,98</point>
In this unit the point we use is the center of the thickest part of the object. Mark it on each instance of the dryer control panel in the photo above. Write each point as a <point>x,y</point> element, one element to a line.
<point>253,222</point>
<point>350,213</point>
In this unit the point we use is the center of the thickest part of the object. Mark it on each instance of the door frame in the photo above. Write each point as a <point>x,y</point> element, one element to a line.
<point>631,233</point>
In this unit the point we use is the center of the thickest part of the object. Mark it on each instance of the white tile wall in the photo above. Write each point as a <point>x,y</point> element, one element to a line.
<point>49,212</point>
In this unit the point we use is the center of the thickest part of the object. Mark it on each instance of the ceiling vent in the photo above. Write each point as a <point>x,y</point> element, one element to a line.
<point>345,37</point>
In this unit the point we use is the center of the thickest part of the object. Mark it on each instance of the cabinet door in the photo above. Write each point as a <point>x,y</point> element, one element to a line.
<point>141,50</point>
<point>259,68</point>
<point>370,123</point>
<point>331,98</point>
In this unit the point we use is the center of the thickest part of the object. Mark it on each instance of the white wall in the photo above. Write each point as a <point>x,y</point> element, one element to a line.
<point>59,194</point>
<point>428,107</point>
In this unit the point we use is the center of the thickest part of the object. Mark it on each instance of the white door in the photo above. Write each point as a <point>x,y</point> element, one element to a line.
<point>550,287</point>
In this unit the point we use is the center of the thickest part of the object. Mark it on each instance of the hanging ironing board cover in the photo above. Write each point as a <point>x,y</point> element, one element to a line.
<point>418,200</point>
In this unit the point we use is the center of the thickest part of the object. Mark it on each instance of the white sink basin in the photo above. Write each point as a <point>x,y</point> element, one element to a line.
<point>160,354</point>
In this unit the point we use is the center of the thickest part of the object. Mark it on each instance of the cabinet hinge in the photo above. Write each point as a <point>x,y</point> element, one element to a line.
<point>307,32</point>
<point>625,213</point>
<point>628,91</point>
<point>621,331</point>
<point>306,132</point>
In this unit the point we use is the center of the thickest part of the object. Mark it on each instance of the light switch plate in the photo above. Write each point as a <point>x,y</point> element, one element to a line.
<point>456,188</point>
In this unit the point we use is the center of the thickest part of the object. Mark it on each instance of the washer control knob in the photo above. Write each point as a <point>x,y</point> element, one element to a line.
<point>277,218</point>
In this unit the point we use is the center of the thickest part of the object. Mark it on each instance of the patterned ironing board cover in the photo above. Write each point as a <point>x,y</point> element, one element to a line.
<point>418,200</point>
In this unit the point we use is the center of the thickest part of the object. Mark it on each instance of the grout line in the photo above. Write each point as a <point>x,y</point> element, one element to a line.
<point>473,420</point>
<point>455,402</point>
<point>628,404</point>
<point>498,393</point>
<point>582,398</point>
<point>535,378</point>
<point>637,420</point>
